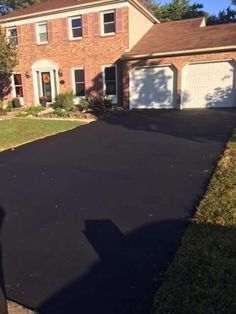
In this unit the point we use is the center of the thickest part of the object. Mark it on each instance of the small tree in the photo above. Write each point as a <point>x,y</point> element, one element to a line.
<point>7,63</point>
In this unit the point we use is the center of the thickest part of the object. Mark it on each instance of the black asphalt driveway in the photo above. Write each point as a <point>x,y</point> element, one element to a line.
<point>92,217</point>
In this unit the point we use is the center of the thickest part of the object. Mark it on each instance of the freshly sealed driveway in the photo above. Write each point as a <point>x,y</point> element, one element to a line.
<point>93,216</point>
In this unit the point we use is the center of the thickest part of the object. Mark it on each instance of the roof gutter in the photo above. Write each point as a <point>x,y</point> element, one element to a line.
<point>179,53</point>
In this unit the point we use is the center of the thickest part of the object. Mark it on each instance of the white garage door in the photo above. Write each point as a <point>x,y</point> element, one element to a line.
<point>209,85</point>
<point>153,88</point>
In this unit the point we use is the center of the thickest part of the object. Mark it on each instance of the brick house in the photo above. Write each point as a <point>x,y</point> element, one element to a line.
<point>120,49</point>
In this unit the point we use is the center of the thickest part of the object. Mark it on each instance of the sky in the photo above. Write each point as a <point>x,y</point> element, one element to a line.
<point>211,6</point>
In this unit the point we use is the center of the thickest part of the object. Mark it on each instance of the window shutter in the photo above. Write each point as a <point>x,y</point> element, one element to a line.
<point>68,80</point>
<point>85,25</point>
<point>33,33</point>
<point>96,24</point>
<point>87,81</point>
<point>19,35</point>
<point>65,31</point>
<point>99,81</point>
<point>119,20</point>
<point>50,33</point>
<point>24,86</point>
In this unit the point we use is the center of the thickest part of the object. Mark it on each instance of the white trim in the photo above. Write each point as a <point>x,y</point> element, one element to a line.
<point>102,22</point>
<point>37,33</point>
<point>113,97</point>
<point>7,31</point>
<point>40,66</point>
<point>173,53</point>
<point>70,27</point>
<point>77,98</point>
<point>13,91</point>
<point>81,9</point>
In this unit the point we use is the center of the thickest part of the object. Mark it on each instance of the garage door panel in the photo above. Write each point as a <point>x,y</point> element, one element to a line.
<point>152,87</point>
<point>215,85</point>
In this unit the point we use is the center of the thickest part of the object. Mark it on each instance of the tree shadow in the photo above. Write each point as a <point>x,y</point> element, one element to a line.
<point>152,87</point>
<point>128,274</point>
<point>223,96</point>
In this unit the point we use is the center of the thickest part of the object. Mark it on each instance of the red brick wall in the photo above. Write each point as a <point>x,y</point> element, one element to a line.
<point>91,52</point>
<point>178,62</point>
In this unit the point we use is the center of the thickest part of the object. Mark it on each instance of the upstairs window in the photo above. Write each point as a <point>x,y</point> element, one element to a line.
<point>76,27</point>
<point>12,35</point>
<point>110,82</point>
<point>17,85</point>
<point>79,82</point>
<point>42,33</point>
<point>108,23</point>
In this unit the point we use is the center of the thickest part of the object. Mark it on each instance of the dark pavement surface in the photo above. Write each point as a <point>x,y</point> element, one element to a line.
<point>94,216</point>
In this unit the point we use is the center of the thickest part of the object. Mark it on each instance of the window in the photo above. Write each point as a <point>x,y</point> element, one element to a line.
<point>42,33</point>
<point>109,23</point>
<point>12,35</point>
<point>110,87</point>
<point>17,85</point>
<point>79,82</point>
<point>76,27</point>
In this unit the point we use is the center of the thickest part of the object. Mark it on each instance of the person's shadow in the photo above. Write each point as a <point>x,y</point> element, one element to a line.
<point>128,273</point>
<point>3,302</point>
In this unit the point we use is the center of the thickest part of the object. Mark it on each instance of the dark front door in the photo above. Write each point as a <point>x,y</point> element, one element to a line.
<point>46,85</point>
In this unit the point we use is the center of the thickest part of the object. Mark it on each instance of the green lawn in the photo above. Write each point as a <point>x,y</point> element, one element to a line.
<point>16,132</point>
<point>202,277</point>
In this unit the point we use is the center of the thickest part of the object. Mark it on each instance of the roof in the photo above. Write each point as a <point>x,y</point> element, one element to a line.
<point>183,36</point>
<point>58,5</point>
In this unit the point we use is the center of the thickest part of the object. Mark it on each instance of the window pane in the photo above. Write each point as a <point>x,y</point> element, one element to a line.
<point>79,76</point>
<point>13,40</point>
<point>19,91</point>
<point>43,37</point>
<point>109,17</point>
<point>13,32</point>
<point>110,88</point>
<point>43,28</point>
<point>80,89</point>
<point>76,23</point>
<point>110,74</point>
<point>109,28</point>
<point>17,79</point>
<point>77,32</point>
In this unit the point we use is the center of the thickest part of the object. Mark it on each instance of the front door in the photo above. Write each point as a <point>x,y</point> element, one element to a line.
<point>46,82</point>
<point>46,85</point>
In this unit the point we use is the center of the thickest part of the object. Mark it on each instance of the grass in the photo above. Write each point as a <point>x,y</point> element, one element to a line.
<point>202,277</point>
<point>17,132</point>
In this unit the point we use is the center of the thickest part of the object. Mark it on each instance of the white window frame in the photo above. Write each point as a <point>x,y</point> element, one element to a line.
<point>114,98</point>
<point>103,25</point>
<point>13,92</point>
<point>77,98</point>
<point>70,27</point>
<point>37,33</point>
<point>8,34</point>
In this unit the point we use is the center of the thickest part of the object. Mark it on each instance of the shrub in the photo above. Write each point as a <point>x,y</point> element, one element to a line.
<point>84,104</point>
<point>100,105</point>
<point>1,105</point>
<point>9,104</point>
<point>34,110</point>
<point>21,114</point>
<point>64,101</point>
<point>60,112</point>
